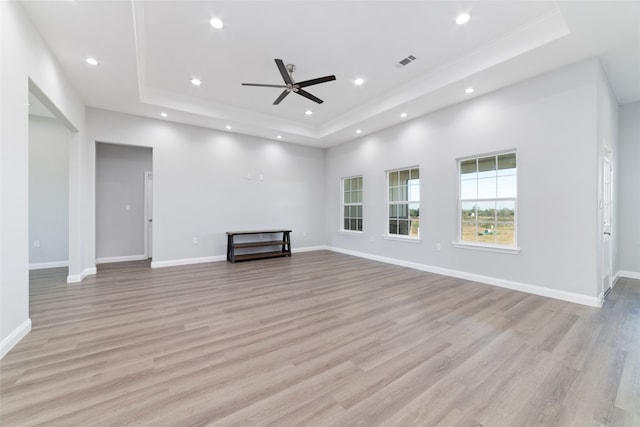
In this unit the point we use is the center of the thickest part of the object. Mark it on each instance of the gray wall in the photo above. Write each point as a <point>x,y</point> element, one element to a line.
<point>25,60</point>
<point>629,173</point>
<point>202,187</point>
<point>120,201</point>
<point>48,192</point>
<point>551,120</point>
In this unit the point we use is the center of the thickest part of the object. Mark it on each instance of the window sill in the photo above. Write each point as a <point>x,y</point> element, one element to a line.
<point>402,238</point>
<point>351,233</point>
<point>486,248</point>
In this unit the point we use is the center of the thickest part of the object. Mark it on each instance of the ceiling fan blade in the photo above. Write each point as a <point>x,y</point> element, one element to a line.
<point>261,85</point>
<point>309,96</point>
<point>315,81</point>
<point>281,97</point>
<point>283,71</point>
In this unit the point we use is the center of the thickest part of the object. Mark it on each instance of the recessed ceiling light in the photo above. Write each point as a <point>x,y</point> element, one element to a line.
<point>279,136</point>
<point>403,115</point>
<point>228,127</point>
<point>308,112</point>
<point>91,60</point>
<point>359,131</point>
<point>359,81</point>
<point>196,82</point>
<point>469,90</point>
<point>216,23</point>
<point>463,18</point>
<point>163,114</point>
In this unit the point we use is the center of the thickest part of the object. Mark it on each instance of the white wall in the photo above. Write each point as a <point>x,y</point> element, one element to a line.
<point>201,185</point>
<point>25,58</point>
<point>120,201</point>
<point>629,195</point>
<point>551,121</point>
<point>48,192</point>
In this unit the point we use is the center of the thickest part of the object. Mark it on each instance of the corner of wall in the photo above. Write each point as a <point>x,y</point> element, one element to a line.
<point>14,337</point>
<point>77,278</point>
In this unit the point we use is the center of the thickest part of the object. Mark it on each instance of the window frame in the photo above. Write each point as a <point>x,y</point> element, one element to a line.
<point>343,204</point>
<point>388,203</point>
<point>487,246</point>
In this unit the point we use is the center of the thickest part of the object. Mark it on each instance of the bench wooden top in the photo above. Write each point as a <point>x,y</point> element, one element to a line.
<point>234,233</point>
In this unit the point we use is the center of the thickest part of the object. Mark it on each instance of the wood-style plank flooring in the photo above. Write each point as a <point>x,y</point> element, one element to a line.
<point>318,339</point>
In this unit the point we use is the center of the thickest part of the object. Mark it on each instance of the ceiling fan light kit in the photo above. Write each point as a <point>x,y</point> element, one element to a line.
<point>286,71</point>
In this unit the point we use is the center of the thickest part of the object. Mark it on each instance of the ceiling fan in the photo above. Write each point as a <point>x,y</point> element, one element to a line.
<point>291,86</point>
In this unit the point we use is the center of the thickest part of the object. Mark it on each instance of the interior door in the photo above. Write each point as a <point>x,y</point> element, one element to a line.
<point>148,213</point>
<point>607,217</point>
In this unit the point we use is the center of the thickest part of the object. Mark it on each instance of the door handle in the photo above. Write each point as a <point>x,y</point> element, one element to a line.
<point>151,220</point>
<point>606,233</point>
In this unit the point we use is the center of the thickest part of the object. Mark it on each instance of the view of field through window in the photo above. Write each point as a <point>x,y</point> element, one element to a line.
<point>404,202</point>
<point>488,192</point>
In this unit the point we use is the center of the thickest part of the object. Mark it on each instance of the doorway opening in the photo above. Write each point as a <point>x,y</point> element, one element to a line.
<point>49,187</point>
<point>124,203</point>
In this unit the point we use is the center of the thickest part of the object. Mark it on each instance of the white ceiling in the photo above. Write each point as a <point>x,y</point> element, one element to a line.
<point>149,50</point>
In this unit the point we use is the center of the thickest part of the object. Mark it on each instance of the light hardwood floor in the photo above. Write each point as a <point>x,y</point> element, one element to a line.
<point>318,339</point>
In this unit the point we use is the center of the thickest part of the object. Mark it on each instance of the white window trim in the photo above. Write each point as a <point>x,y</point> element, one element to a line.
<point>488,247</point>
<point>399,237</point>
<point>341,228</point>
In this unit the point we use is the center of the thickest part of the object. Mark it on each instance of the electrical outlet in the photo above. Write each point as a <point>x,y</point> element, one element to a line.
<point>36,243</point>
<point>438,247</point>
<point>371,238</point>
<point>304,234</point>
<point>195,241</point>
<point>248,175</point>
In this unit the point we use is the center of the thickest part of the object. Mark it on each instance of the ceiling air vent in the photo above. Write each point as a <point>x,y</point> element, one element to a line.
<point>406,61</point>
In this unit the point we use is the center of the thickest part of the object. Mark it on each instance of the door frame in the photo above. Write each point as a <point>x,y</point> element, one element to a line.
<point>148,214</point>
<point>606,279</point>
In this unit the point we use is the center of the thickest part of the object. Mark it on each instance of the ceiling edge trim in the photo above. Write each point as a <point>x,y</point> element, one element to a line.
<point>530,36</point>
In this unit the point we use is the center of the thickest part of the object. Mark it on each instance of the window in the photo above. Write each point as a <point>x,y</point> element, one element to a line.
<point>352,203</point>
<point>488,192</point>
<point>404,202</point>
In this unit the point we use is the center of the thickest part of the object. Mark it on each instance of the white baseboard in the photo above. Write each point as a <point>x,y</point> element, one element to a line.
<point>14,337</point>
<point>509,284</point>
<point>76,278</point>
<point>310,249</point>
<point>628,274</point>
<point>107,260</point>
<point>52,264</point>
<point>614,282</point>
<point>187,261</point>
<point>616,278</point>
<point>216,258</point>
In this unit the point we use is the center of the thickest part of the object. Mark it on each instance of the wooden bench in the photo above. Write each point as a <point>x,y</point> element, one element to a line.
<point>283,244</point>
